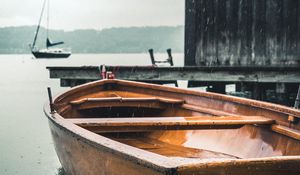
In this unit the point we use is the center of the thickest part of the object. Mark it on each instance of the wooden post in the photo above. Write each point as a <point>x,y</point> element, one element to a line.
<point>281,93</point>
<point>170,58</point>
<point>256,91</point>
<point>297,101</point>
<point>241,87</point>
<point>238,87</point>
<point>50,100</point>
<point>259,91</point>
<point>152,56</point>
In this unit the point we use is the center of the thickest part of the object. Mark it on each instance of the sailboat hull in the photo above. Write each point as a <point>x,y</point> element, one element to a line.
<point>38,54</point>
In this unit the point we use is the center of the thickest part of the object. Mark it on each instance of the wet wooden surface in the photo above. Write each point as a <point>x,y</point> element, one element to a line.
<point>287,131</point>
<point>261,74</point>
<point>171,150</point>
<point>257,134</point>
<point>134,124</point>
<point>240,32</point>
<point>78,156</point>
<point>150,102</point>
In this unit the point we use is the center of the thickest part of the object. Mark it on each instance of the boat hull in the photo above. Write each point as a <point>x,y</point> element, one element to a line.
<point>80,156</point>
<point>81,151</point>
<point>51,55</point>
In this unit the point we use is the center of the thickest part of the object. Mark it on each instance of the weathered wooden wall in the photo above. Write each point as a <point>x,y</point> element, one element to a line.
<point>242,32</point>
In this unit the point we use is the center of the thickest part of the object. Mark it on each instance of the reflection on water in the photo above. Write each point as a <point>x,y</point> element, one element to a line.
<point>60,171</point>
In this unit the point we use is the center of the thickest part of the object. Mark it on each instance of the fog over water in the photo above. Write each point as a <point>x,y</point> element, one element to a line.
<point>94,14</point>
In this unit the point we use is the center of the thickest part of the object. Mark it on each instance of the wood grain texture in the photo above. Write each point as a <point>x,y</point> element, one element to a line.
<point>290,132</point>
<point>149,102</point>
<point>242,32</point>
<point>168,123</point>
<point>252,137</point>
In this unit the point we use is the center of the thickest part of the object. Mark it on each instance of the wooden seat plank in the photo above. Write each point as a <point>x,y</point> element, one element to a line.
<point>206,110</point>
<point>148,102</point>
<point>286,131</point>
<point>168,123</point>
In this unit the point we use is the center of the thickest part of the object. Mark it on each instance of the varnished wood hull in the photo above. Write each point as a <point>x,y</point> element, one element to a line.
<point>78,155</point>
<point>261,151</point>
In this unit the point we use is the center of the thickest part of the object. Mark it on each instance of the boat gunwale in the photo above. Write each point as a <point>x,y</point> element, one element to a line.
<point>232,99</point>
<point>247,163</point>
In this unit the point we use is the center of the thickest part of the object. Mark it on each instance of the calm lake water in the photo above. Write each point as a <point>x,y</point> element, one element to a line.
<point>26,146</point>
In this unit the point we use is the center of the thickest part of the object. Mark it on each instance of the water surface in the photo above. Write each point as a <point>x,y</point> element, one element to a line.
<point>26,146</point>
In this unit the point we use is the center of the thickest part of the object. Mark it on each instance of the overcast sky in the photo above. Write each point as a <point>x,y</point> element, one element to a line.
<point>96,14</point>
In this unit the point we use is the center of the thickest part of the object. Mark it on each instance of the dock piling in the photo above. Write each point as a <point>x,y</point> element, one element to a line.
<point>297,101</point>
<point>50,100</point>
<point>152,56</point>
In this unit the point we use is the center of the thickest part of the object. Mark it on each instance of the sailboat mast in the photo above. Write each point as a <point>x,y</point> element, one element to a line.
<point>38,27</point>
<point>48,11</point>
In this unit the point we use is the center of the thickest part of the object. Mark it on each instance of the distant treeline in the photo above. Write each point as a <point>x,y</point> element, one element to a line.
<point>112,40</point>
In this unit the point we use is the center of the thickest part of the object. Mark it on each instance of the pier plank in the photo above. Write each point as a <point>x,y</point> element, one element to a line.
<point>287,74</point>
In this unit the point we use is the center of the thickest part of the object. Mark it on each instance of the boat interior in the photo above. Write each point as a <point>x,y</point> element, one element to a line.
<point>174,124</point>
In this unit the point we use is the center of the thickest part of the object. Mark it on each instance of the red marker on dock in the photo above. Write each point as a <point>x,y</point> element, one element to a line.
<point>103,71</point>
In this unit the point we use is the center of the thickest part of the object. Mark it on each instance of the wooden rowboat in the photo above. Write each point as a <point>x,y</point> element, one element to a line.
<point>122,127</point>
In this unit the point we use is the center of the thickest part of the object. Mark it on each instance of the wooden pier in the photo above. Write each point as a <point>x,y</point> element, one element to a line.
<point>253,44</point>
<point>260,82</point>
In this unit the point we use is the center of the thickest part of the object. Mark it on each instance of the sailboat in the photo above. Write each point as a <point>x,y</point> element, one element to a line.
<point>50,51</point>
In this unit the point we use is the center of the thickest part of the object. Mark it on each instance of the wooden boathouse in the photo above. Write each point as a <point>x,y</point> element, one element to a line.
<point>254,44</point>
